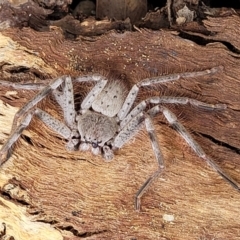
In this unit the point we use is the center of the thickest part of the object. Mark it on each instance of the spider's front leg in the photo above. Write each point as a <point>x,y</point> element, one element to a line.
<point>65,99</point>
<point>92,95</point>
<point>129,131</point>
<point>5,150</point>
<point>51,122</point>
<point>25,114</point>
<point>36,99</point>
<point>71,135</point>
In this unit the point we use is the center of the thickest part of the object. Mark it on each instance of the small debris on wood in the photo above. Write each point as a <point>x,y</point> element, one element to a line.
<point>185,15</point>
<point>92,18</point>
<point>2,229</point>
<point>154,20</point>
<point>28,14</point>
<point>73,28</point>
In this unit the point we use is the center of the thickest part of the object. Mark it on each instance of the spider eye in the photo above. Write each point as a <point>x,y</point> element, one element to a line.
<point>94,145</point>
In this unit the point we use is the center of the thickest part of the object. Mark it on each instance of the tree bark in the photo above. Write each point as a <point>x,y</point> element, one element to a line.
<point>72,195</point>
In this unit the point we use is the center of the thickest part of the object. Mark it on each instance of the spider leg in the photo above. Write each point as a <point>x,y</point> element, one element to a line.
<point>128,132</point>
<point>65,99</point>
<point>169,100</point>
<point>91,96</point>
<point>65,131</point>
<point>37,98</point>
<point>50,121</point>
<point>172,119</point>
<point>23,86</point>
<point>158,80</point>
<point>5,150</point>
<point>158,154</point>
<point>24,116</point>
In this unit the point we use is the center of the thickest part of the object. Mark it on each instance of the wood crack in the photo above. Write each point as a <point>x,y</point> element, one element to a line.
<point>203,40</point>
<point>219,142</point>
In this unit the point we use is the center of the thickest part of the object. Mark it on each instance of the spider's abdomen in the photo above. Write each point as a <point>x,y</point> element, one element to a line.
<point>110,99</point>
<point>96,128</point>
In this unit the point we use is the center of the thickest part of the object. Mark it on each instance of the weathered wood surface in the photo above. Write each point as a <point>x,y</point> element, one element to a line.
<point>83,197</point>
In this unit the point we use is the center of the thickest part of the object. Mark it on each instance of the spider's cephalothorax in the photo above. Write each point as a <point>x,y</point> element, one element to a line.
<point>96,130</point>
<point>109,117</point>
<point>98,123</point>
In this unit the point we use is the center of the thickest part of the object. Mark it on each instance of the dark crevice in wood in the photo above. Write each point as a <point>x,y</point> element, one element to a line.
<point>76,2</point>
<point>27,139</point>
<point>75,232</point>
<point>19,69</point>
<point>3,230</point>
<point>203,42</point>
<point>220,143</point>
<point>222,3</point>
<point>35,212</point>
<point>8,99</point>
<point>8,196</point>
<point>42,17</point>
<point>71,229</point>
<point>52,222</point>
<point>156,4</point>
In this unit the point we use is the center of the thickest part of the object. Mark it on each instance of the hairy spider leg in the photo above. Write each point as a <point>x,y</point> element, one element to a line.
<point>129,131</point>
<point>92,95</point>
<point>131,124</point>
<point>23,86</point>
<point>158,80</point>
<point>5,150</point>
<point>172,119</point>
<point>50,121</point>
<point>24,116</point>
<point>65,98</point>
<point>36,99</point>
<point>170,100</point>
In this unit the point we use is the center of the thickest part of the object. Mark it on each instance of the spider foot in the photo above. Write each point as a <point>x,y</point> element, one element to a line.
<point>107,153</point>
<point>84,147</point>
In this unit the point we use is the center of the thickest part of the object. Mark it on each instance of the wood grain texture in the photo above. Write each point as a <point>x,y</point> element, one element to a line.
<point>83,197</point>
